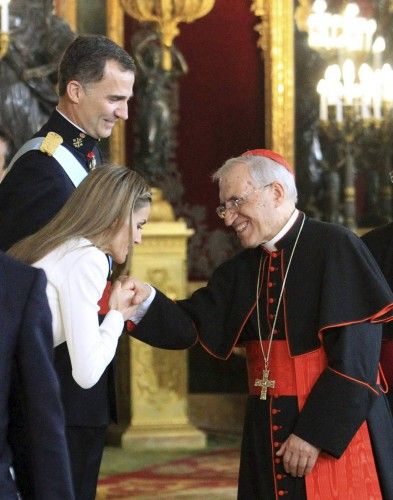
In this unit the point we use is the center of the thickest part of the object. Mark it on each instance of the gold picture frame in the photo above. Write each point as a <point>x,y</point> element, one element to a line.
<point>115,31</point>
<point>68,10</point>
<point>276,40</point>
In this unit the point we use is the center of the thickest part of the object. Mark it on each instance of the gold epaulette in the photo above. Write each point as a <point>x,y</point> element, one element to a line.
<point>51,142</point>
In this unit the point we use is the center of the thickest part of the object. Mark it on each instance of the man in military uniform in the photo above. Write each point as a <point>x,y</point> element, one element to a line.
<point>96,79</point>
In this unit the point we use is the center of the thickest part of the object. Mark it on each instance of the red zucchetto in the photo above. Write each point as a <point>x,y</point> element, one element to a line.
<point>272,155</point>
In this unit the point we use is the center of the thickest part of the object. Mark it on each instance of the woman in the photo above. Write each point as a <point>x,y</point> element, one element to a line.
<point>101,221</point>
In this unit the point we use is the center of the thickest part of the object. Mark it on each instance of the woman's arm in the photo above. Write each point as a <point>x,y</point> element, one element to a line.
<point>91,346</point>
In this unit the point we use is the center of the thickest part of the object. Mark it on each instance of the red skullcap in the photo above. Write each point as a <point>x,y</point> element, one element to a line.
<point>272,155</point>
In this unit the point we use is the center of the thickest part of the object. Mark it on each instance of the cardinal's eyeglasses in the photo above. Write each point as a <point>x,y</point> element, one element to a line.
<point>233,205</point>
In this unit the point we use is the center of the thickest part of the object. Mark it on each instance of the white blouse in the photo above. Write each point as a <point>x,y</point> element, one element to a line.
<point>77,273</point>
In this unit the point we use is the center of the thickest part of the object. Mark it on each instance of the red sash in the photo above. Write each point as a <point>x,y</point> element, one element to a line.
<point>351,477</point>
<point>103,303</point>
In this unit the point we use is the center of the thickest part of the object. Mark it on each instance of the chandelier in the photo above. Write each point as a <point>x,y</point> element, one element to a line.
<point>358,78</point>
<point>347,31</point>
<point>355,110</point>
<point>369,92</point>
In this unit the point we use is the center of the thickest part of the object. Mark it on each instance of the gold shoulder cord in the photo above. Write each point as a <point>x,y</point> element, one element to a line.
<point>51,142</point>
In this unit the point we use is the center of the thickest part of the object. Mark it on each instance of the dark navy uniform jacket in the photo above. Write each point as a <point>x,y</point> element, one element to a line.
<point>37,187</point>
<point>26,345</point>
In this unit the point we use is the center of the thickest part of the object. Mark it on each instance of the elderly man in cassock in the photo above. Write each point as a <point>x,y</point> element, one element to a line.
<point>306,300</point>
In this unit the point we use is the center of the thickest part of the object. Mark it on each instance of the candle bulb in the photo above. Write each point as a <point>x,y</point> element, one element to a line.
<point>339,110</point>
<point>378,47</point>
<point>339,102</point>
<point>366,77</point>
<point>371,28</point>
<point>365,113</point>
<point>323,107</point>
<point>377,107</point>
<point>377,95</point>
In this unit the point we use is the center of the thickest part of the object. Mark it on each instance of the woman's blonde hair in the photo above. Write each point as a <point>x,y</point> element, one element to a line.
<point>101,204</point>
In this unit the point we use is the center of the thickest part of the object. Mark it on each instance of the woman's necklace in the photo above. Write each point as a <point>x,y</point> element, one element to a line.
<point>264,383</point>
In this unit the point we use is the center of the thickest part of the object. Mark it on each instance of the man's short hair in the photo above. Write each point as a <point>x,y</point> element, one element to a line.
<point>85,58</point>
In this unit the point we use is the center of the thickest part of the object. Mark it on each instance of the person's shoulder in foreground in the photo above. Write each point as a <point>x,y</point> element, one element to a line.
<point>25,328</point>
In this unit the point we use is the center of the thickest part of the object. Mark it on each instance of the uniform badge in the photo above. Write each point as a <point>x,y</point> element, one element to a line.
<point>77,142</point>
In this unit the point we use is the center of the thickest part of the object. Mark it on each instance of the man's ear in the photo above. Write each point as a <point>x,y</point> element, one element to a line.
<point>278,192</point>
<point>74,91</point>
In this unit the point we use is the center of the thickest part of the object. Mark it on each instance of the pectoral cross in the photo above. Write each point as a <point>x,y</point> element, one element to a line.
<point>264,383</point>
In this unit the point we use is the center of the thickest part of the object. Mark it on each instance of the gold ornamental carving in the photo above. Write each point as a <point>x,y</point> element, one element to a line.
<point>115,31</point>
<point>276,41</point>
<point>68,10</point>
<point>161,209</point>
<point>301,14</point>
<point>4,44</point>
<point>158,377</point>
<point>166,15</point>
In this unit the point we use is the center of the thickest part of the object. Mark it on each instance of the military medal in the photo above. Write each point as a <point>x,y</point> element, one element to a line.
<point>91,160</point>
<point>78,141</point>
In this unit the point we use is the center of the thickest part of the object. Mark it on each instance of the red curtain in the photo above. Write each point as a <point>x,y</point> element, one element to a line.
<point>221,97</point>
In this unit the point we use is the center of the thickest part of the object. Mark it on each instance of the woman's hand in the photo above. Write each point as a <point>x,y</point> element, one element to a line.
<point>121,298</point>
<point>141,290</point>
<point>126,295</point>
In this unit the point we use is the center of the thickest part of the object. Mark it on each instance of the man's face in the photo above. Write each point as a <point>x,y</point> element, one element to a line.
<point>254,219</point>
<point>102,103</point>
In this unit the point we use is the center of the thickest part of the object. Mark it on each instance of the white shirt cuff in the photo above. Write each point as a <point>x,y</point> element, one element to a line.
<point>144,306</point>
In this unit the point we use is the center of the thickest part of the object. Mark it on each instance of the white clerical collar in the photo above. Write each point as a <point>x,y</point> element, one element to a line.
<point>72,123</point>
<point>270,246</point>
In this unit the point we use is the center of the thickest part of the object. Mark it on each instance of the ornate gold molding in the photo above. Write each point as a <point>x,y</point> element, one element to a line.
<point>277,44</point>
<point>158,402</point>
<point>115,31</point>
<point>166,15</point>
<point>67,9</point>
<point>302,12</point>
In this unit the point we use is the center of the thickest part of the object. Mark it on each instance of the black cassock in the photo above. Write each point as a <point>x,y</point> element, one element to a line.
<point>380,244</point>
<point>328,336</point>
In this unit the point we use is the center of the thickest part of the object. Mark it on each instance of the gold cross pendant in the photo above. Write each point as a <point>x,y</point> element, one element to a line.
<point>264,383</point>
